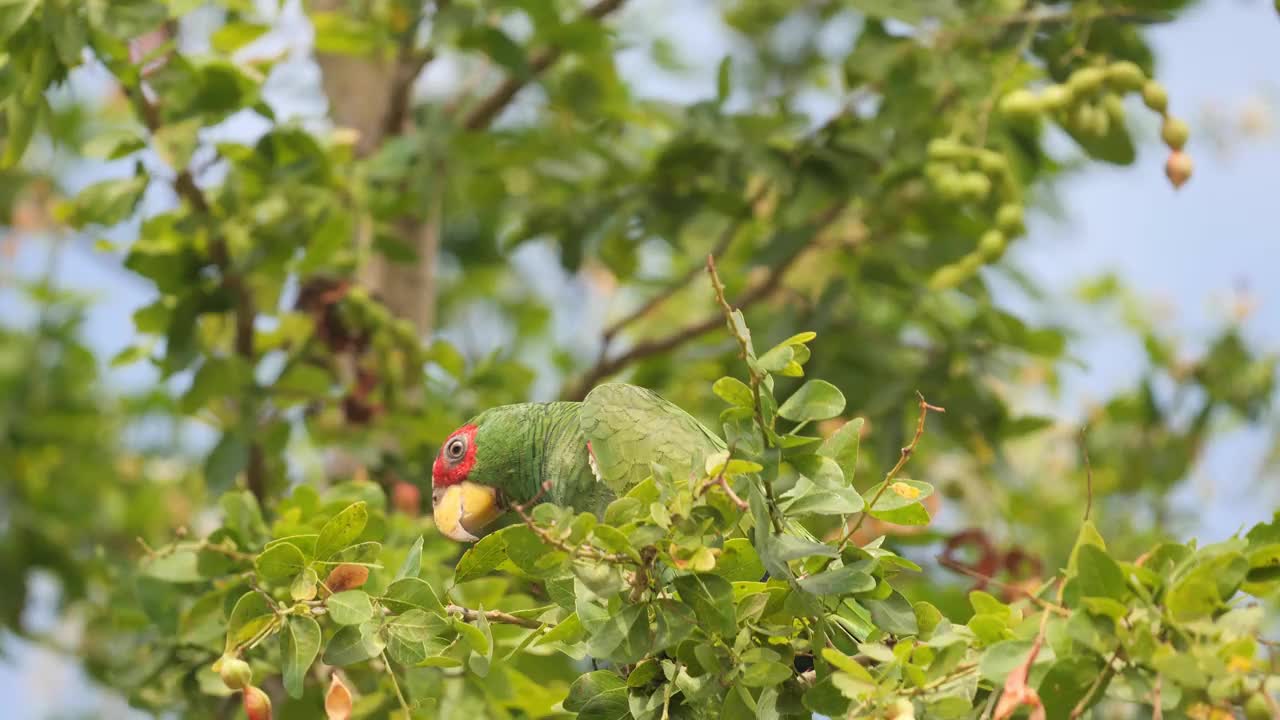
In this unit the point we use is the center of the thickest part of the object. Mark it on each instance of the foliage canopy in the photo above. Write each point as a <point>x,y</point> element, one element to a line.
<point>332,298</point>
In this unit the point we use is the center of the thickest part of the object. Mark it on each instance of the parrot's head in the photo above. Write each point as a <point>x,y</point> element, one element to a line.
<point>464,496</point>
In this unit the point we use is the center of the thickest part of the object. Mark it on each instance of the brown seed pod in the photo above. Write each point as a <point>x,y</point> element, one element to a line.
<point>1178,168</point>
<point>337,700</point>
<point>257,705</point>
<point>346,577</point>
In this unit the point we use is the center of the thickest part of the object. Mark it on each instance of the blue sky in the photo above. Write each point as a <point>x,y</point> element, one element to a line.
<point>1187,250</point>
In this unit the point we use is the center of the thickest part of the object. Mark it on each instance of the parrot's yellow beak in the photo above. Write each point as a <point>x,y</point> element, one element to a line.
<point>463,509</point>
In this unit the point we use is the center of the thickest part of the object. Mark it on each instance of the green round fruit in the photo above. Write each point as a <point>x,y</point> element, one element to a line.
<point>1155,96</point>
<point>1257,707</point>
<point>1010,218</point>
<point>1086,80</point>
<point>1174,132</point>
<point>952,188</point>
<point>1114,107</point>
<point>1125,75</point>
<point>947,277</point>
<point>976,185</point>
<point>1056,97</point>
<point>992,244</point>
<point>992,163</point>
<point>235,673</point>
<point>1020,105</point>
<point>945,149</point>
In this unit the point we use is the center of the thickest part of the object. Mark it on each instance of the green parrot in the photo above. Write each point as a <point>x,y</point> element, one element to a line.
<point>588,452</point>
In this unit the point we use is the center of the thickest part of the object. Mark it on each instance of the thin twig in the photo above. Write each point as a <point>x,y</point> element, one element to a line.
<point>951,564</point>
<point>1016,692</point>
<point>1157,701</point>
<point>493,616</point>
<point>906,454</point>
<point>185,186</point>
<point>640,351</point>
<point>404,704</point>
<point>582,551</point>
<point>723,482</point>
<point>719,249</point>
<point>492,105</point>
<point>1098,680</point>
<point>1088,472</point>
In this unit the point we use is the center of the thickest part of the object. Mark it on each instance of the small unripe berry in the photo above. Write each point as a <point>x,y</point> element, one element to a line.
<point>1174,132</point>
<point>1256,707</point>
<point>976,186</point>
<point>945,149</point>
<point>1125,75</point>
<point>1155,96</point>
<point>1086,80</point>
<point>235,673</point>
<point>947,277</point>
<point>1114,107</point>
<point>1057,97</point>
<point>952,187</point>
<point>1020,105</point>
<point>1009,218</point>
<point>992,162</point>
<point>991,245</point>
<point>257,705</point>
<point>1178,168</point>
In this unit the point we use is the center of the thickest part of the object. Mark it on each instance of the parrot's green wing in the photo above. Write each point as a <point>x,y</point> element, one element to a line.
<point>629,427</point>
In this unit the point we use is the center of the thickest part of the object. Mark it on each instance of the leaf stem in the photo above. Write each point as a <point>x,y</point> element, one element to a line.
<point>404,704</point>
<point>906,454</point>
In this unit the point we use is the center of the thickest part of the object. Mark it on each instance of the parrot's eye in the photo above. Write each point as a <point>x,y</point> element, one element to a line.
<point>456,448</point>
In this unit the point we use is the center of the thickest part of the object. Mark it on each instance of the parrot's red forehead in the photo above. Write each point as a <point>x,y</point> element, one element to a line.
<point>451,469</point>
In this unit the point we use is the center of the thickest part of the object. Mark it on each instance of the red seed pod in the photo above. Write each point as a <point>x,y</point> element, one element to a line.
<point>257,706</point>
<point>406,497</point>
<point>337,700</point>
<point>1178,167</point>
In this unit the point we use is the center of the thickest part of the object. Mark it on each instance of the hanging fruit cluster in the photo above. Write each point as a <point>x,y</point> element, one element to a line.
<point>982,178</point>
<point>1091,102</point>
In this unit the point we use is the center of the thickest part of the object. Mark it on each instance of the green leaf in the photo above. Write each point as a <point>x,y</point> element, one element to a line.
<point>893,615</point>
<point>1088,536</point>
<point>14,14</point>
<point>350,607</point>
<point>724,79</point>
<point>592,685</point>
<point>234,35</point>
<point>734,391</point>
<point>900,503</point>
<point>299,645</point>
<point>840,581</point>
<point>738,561</point>
<point>304,585</point>
<point>815,400</point>
<point>226,460</point>
<point>414,636</point>
<point>280,561</point>
<point>765,673</point>
<point>353,644</point>
<point>843,446</point>
<point>613,540</point>
<point>711,598</point>
<point>109,202</point>
<point>180,566</point>
<point>776,359</point>
<point>1001,658</point>
<point>342,530</point>
<point>1067,682</point>
<point>411,593</point>
<point>412,564</point>
<point>624,637</point>
<point>481,558</point>
<point>1099,575</point>
<point>250,616</point>
<point>675,622</point>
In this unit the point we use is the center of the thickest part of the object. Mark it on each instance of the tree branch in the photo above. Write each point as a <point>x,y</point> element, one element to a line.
<point>493,616</point>
<point>184,184</point>
<point>492,105</point>
<point>772,282</point>
<point>721,246</point>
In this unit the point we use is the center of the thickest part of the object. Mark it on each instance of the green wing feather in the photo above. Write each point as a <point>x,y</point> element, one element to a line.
<point>629,427</point>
